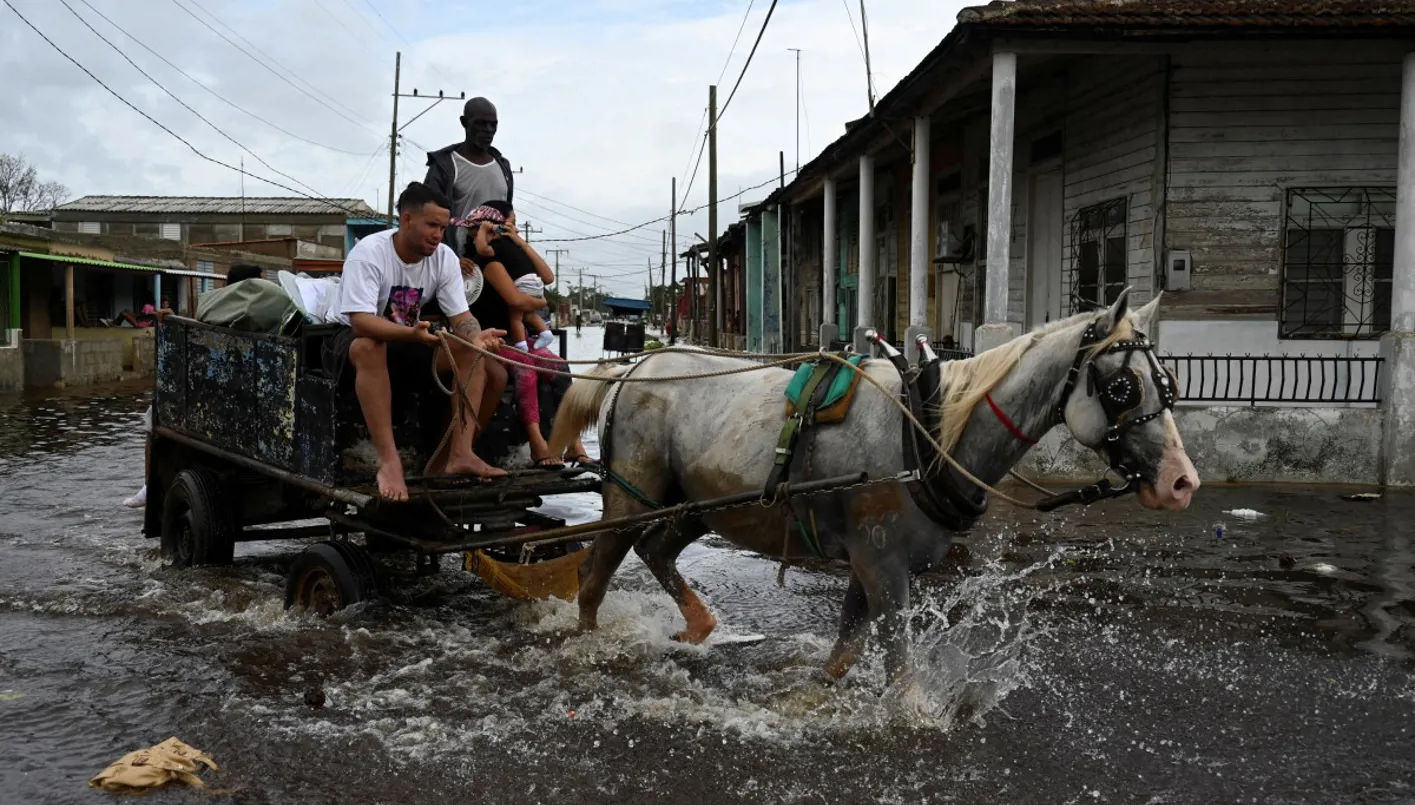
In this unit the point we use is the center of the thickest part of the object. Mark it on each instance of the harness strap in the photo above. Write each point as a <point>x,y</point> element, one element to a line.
<point>801,416</point>
<point>1008,423</point>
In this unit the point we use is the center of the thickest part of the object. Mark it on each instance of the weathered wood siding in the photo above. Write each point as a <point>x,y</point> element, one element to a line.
<point>1112,139</point>
<point>1108,110</point>
<point>1247,122</point>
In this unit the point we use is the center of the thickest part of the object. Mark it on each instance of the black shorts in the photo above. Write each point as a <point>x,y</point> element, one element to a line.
<point>408,361</point>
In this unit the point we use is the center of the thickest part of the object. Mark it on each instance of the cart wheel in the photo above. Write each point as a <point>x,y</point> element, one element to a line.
<point>197,527</point>
<point>330,575</point>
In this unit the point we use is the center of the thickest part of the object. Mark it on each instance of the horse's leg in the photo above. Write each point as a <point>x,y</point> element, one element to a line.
<point>889,603</point>
<point>659,550</point>
<point>606,554</point>
<point>854,617</point>
<point>608,551</point>
<point>878,594</point>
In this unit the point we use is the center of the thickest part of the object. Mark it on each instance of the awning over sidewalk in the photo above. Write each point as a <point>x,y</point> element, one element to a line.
<point>89,261</point>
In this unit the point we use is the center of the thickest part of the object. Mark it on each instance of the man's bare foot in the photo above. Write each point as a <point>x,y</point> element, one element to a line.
<point>473,465</point>
<point>391,485</point>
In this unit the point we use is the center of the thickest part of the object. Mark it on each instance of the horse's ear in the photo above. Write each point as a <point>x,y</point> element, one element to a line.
<point>1117,312</point>
<point>1146,316</point>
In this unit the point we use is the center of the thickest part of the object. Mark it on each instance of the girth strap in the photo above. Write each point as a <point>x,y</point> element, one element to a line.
<point>802,415</point>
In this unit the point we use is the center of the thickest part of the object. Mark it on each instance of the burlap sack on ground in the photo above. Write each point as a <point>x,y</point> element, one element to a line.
<point>155,767</point>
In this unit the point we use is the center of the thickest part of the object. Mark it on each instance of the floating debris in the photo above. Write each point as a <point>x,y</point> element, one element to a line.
<point>314,697</point>
<point>1362,497</point>
<point>154,767</point>
<point>1246,514</point>
<point>10,696</point>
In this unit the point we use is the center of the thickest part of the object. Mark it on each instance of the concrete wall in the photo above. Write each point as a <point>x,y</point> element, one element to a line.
<point>12,366</point>
<point>1245,444</point>
<point>49,364</point>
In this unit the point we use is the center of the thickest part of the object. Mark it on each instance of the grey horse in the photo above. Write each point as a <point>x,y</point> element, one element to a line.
<point>694,440</point>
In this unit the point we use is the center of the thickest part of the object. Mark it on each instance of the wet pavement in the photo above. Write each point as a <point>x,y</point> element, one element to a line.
<point>1103,655</point>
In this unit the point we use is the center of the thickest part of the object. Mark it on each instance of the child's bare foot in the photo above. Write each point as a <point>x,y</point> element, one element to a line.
<point>391,485</point>
<point>473,465</point>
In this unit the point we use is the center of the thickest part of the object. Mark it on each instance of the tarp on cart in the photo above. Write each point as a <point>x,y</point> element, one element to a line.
<point>252,306</point>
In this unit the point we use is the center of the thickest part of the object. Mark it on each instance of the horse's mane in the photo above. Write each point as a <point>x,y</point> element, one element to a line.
<point>965,383</point>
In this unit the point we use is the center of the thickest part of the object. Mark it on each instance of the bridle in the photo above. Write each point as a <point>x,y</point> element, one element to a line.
<point>945,499</point>
<point>1122,394</point>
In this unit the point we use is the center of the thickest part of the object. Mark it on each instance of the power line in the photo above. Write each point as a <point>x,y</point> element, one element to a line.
<point>173,134</point>
<point>370,4</point>
<point>661,219</point>
<point>213,92</point>
<point>184,104</point>
<point>736,39</point>
<point>747,64</point>
<point>520,191</point>
<point>270,69</point>
<point>361,40</point>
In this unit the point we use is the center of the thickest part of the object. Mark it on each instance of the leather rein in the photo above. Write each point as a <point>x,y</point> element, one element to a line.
<point>942,496</point>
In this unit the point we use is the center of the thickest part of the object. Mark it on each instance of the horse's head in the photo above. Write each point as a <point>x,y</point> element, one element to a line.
<point>1118,401</point>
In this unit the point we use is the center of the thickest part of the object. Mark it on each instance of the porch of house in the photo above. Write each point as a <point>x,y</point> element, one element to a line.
<point>75,318</point>
<point>1052,174</point>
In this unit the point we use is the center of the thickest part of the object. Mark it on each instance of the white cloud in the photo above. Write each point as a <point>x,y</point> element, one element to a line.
<point>599,104</point>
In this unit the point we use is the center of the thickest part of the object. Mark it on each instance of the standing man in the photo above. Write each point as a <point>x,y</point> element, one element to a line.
<point>472,172</point>
<point>388,277</point>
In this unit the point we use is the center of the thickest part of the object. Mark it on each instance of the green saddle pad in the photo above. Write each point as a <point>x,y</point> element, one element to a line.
<point>839,385</point>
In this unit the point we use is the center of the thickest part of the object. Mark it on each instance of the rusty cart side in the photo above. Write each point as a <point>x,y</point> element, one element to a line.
<point>250,437</point>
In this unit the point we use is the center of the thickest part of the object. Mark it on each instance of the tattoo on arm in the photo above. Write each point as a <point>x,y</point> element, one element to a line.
<point>467,328</point>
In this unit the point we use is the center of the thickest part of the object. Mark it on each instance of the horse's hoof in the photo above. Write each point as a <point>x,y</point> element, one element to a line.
<point>691,637</point>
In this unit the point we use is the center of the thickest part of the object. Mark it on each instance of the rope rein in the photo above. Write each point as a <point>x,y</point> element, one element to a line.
<point>780,362</point>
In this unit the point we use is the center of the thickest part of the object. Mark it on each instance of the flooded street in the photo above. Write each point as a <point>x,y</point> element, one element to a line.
<point>1105,655</point>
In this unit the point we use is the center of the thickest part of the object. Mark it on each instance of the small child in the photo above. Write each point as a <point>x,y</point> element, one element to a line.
<point>530,285</point>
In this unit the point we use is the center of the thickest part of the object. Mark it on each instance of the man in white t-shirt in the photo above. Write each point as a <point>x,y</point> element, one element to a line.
<point>388,277</point>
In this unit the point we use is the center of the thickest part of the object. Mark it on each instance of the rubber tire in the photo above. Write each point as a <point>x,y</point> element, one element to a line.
<point>349,573</point>
<point>195,496</point>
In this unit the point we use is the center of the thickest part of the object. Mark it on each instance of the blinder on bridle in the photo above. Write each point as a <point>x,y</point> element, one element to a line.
<point>1122,398</point>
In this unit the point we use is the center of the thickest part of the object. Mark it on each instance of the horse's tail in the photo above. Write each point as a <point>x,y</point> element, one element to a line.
<point>580,408</point>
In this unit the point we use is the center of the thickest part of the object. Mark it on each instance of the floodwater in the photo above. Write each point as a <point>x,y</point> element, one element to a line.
<point>1111,655</point>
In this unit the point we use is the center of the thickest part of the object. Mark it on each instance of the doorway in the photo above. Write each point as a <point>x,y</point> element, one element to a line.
<point>1044,248</point>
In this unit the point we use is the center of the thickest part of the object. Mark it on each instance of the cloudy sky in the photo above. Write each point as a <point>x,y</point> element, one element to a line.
<point>601,101</point>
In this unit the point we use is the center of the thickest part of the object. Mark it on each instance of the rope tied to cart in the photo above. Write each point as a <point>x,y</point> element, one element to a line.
<point>782,362</point>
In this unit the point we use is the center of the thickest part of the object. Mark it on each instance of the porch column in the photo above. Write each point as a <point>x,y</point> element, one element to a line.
<point>865,289</point>
<point>1398,345</point>
<point>15,311</point>
<point>830,328</point>
<point>69,301</point>
<point>996,329</point>
<point>919,241</point>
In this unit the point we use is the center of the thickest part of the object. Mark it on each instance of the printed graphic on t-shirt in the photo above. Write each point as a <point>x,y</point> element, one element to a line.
<point>404,305</point>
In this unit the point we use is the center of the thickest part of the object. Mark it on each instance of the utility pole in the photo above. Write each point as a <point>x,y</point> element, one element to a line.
<point>673,240</point>
<point>662,267</point>
<point>393,136</point>
<point>580,289</point>
<point>869,75</point>
<point>557,253</point>
<point>528,231</point>
<point>798,108</point>
<point>714,305</point>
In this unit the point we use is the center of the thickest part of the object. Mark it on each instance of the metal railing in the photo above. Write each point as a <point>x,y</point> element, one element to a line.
<point>1257,379</point>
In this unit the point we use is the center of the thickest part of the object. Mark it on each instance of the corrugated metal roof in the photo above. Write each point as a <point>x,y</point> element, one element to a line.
<point>220,205</point>
<point>1195,13</point>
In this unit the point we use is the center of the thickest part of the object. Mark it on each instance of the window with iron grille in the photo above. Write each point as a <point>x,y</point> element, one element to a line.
<point>1099,254</point>
<point>206,267</point>
<point>1338,257</point>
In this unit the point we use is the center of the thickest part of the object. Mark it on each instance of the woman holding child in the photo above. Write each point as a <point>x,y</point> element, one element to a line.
<point>506,296</point>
